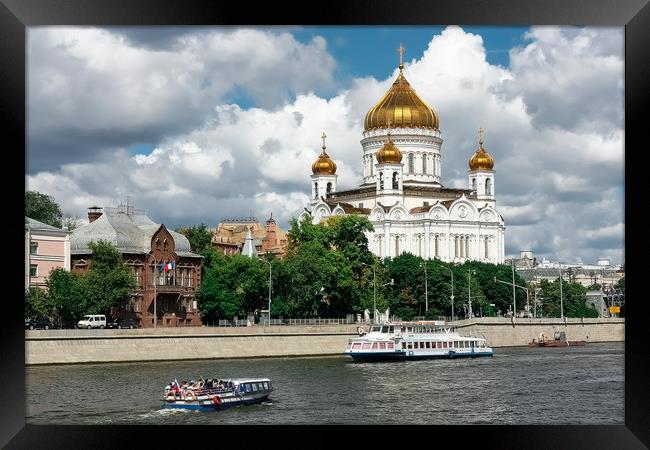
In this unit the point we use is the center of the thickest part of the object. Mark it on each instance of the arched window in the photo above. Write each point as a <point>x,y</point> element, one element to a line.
<point>488,187</point>
<point>381,180</point>
<point>486,248</point>
<point>316,190</point>
<point>329,187</point>
<point>437,246</point>
<point>411,163</point>
<point>424,163</point>
<point>473,184</point>
<point>396,245</point>
<point>395,182</point>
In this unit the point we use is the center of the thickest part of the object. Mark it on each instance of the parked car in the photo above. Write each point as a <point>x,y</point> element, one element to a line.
<point>122,323</point>
<point>92,321</point>
<point>38,322</point>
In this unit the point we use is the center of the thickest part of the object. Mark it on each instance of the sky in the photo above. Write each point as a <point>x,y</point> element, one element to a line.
<point>195,124</point>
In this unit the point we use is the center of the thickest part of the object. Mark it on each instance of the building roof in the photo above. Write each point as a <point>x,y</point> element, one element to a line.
<point>33,224</point>
<point>129,230</point>
<point>348,208</point>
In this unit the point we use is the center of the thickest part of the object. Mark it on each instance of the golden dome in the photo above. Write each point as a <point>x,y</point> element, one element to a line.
<point>389,153</point>
<point>402,106</point>
<point>324,165</point>
<point>481,160</point>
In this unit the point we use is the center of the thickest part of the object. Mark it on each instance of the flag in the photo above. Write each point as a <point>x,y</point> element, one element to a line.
<point>169,266</point>
<point>162,265</point>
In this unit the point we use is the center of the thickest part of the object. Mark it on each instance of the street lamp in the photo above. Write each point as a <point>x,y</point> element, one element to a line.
<point>269,263</point>
<point>452,292</point>
<point>561,300</point>
<point>374,294</point>
<point>469,286</point>
<point>514,304</point>
<point>426,290</point>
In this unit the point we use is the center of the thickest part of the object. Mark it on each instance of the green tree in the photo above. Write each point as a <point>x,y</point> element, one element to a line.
<point>199,236</point>
<point>620,284</point>
<point>37,303</point>
<point>109,282</point>
<point>67,296</point>
<point>43,208</point>
<point>574,297</point>
<point>231,286</point>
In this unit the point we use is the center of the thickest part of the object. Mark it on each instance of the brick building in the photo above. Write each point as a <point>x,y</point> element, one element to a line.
<point>146,247</point>
<point>230,235</point>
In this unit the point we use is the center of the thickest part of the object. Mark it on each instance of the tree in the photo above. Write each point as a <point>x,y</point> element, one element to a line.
<point>37,303</point>
<point>66,295</point>
<point>199,236</point>
<point>620,284</point>
<point>43,208</point>
<point>109,282</point>
<point>574,298</point>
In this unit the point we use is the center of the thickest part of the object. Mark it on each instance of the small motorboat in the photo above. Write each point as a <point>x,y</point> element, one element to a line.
<point>559,340</point>
<point>214,394</point>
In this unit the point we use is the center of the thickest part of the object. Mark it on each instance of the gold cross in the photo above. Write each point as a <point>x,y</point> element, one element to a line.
<point>401,52</point>
<point>480,136</point>
<point>323,138</point>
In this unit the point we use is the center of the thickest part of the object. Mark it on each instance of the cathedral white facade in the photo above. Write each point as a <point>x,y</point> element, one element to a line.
<point>401,192</point>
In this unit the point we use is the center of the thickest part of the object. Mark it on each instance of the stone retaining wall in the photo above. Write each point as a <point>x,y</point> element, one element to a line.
<point>85,346</point>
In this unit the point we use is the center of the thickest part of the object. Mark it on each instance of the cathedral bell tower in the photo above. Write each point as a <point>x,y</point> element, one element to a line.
<point>323,179</point>
<point>389,169</point>
<point>480,173</point>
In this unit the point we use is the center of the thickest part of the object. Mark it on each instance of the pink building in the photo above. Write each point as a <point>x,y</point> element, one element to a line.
<point>46,248</point>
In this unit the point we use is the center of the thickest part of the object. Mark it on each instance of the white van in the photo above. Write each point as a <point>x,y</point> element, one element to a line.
<point>92,321</point>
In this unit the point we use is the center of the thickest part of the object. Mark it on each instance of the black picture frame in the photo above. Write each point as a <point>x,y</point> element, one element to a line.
<point>634,15</point>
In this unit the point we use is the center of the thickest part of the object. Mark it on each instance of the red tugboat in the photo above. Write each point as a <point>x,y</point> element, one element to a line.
<point>559,340</point>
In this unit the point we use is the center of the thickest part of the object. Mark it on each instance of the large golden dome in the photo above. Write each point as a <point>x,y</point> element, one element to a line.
<point>389,153</point>
<point>481,159</point>
<point>323,165</point>
<point>402,107</point>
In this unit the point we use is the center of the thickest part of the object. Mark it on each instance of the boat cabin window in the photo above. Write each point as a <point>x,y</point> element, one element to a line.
<point>382,346</point>
<point>356,346</point>
<point>438,344</point>
<point>248,387</point>
<point>409,345</point>
<point>444,345</point>
<point>366,346</point>
<point>375,329</point>
<point>374,346</point>
<point>266,385</point>
<point>409,329</point>
<point>384,329</point>
<point>402,329</point>
<point>390,346</point>
<point>254,387</point>
<point>428,345</point>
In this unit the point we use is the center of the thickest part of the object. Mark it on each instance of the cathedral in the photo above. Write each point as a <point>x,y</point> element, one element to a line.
<point>402,192</point>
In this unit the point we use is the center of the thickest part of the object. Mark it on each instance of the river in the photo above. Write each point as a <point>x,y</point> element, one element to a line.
<point>518,385</point>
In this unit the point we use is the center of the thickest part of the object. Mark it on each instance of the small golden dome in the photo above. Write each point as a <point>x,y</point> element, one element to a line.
<point>402,106</point>
<point>324,165</point>
<point>389,153</point>
<point>481,159</point>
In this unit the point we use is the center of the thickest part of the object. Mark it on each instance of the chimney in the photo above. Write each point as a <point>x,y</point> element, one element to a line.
<point>94,213</point>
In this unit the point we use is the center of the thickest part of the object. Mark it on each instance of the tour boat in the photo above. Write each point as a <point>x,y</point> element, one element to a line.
<point>216,394</point>
<point>414,340</point>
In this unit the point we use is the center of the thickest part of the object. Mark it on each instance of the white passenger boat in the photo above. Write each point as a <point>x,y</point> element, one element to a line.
<point>215,394</point>
<point>414,340</point>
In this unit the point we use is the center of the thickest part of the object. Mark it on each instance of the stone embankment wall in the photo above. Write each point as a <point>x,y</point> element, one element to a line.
<point>86,346</point>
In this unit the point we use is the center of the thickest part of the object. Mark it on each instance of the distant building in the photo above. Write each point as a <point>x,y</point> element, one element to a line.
<point>587,275</point>
<point>231,233</point>
<point>147,247</point>
<point>46,248</point>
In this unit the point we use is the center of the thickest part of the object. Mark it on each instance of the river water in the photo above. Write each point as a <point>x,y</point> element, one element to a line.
<point>578,385</point>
